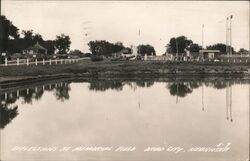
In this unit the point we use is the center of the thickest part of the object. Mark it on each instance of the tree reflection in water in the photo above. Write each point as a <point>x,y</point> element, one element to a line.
<point>179,89</point>
<point>62,91</point>
<point>8,109</point>
<point>27,95</point>
<point>142,83</point>
<point>105,85</point>
<point>7,114</point>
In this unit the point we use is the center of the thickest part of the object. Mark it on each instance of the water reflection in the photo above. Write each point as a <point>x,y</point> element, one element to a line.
<point>30,93</point>
<point>179,89</point>
<point>229,102</point>
<point>62,91</point>
<point>105,85</point>
<point>8,113</point>
<point>9,96</point>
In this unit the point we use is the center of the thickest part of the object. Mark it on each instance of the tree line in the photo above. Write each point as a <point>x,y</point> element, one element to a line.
<point>13,42</point>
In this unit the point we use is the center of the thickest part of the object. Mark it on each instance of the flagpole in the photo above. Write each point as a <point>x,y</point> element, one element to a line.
<point>227,37</point>
<point>202,39</point>
<point>231,49</point>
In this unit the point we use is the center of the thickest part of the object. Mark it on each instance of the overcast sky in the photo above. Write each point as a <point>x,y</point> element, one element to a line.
<point>121,21</point>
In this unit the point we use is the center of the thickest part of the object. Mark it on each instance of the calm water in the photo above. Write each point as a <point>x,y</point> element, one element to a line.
<point>176,113</point>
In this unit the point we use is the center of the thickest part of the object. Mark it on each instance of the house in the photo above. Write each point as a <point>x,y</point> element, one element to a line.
<point>35,50</point>
<point>122,54</point>
<point>209,54</point>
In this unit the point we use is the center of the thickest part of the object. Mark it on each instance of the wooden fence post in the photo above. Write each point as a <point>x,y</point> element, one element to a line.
<point>49,61</point>
<point>6,95</point>
<point>28,62</point>
<point>36,62</point>
<point>43,61</point>
<point>6,62</point>
<point>56,61</point>
<point>17,61</point>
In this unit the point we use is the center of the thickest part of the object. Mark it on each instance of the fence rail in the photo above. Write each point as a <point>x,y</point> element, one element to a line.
<point>222,59</point>
<point>28,62</point>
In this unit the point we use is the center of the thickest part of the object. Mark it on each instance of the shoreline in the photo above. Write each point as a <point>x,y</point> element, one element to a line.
<point>124,69</point>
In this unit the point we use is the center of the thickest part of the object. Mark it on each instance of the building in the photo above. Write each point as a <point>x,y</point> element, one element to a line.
<point>123,53</point>
<point>35,50</point>
<point>209,54</point>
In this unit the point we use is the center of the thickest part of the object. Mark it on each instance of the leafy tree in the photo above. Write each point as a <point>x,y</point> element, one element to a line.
<point>219,46</point>
<point>195,48</point>
<point>76,52</point>
<point>127,51</point>
<point>102,47</point>
<point>28,35</point>
<point>8,31</point>
<point>180,43</point>
<point>243,51</point>
<point>145,49</point>
<point>62,44</point>
<point>38,38</point>
<point>50,46</point>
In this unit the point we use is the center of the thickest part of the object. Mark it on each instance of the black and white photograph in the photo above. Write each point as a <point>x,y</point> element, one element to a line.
<point>124,80</point>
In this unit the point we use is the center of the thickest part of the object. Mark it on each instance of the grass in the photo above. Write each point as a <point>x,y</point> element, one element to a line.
<point>106,67</point>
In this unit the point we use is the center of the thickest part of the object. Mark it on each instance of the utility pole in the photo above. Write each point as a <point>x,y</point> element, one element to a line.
<point>202,38</point>
<point>177,51</point>
<point>231,49</point>
<point>227,38</point>
<point>202,41</point>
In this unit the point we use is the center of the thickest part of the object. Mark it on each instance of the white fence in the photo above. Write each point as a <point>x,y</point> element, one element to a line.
<point>222,59</point>
<point>28,62</point>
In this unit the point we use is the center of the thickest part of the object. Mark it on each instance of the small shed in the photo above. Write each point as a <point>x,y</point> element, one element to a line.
<point>35,49</point>
<point>209,54</point>
<point>122,53</point>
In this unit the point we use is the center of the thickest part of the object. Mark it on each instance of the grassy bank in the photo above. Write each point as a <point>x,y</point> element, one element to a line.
<point>124,69</point>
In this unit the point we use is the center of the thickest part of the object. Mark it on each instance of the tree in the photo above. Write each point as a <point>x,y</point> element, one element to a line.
<point>194,48</point>
<point>145,49</point>
<point>62,44</point>
<point>219,46</point>
<point>8,32</point>
<point>28,35</point>
<point>243,51</point>
<point>180,43</point>
<point>76,53</point>
<point>50,46</point>
<point>102,47</point>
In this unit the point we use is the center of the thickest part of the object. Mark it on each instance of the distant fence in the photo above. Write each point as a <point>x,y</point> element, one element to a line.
<point>28,62</point>
<point>243,59</point>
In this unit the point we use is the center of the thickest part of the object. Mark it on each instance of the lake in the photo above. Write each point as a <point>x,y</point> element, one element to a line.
<point>160,119</point>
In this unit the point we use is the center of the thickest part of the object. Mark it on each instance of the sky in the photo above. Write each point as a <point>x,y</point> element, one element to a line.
<point>156,21</point>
